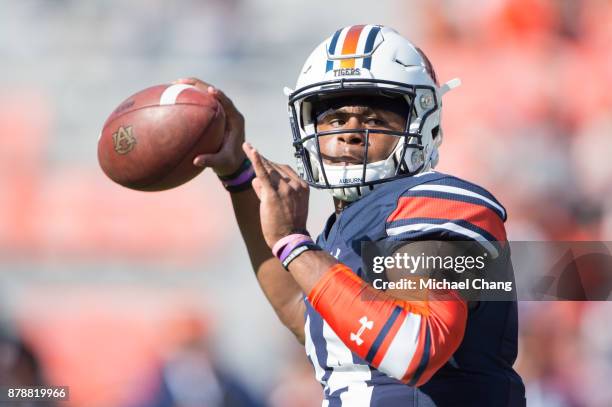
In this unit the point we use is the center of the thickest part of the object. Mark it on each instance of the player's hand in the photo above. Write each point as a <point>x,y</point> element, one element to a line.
<point>283,197</point>
<point>230,156</point>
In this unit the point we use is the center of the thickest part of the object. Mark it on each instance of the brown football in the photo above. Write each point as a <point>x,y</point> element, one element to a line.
<point>149,142</point>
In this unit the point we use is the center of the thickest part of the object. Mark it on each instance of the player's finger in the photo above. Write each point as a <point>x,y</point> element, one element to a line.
<point>271,167</point>
<point>216,159</point>
<point>234,119</point>
<point>285,175</point>
<point>190,81</point>
<point>275,176</point>
<point>296,180</point>
<point>198,83</point>
<point>289,172</point>
<point>260,170</point>
<point>276,167</point>
<point>226,102</point>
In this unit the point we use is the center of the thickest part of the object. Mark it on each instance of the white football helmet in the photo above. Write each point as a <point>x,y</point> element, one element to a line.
<point>364,60</point>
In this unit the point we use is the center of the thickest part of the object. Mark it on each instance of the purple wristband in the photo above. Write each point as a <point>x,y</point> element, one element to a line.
<point>291,246</point>
<point>278,246</point>
<point>244,177</point>
<point>240,180</point>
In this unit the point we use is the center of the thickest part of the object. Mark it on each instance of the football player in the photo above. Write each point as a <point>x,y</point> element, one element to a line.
<point>365,116</point>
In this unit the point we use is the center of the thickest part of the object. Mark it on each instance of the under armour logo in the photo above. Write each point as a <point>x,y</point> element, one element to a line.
<point>365,324</point>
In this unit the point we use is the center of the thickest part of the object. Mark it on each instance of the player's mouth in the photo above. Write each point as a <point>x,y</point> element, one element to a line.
<point>342,160</point>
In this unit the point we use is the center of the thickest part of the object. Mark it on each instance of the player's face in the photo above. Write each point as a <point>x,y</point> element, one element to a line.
<point>349,148</point>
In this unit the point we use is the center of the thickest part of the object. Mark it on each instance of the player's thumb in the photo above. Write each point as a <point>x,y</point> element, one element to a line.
<point>207,160</point>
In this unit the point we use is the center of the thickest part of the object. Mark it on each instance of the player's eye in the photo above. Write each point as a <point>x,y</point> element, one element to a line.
<point>337,122</point>
<point>373,121</point>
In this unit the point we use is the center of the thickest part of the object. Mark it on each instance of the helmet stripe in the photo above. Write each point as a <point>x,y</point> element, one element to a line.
<point>350,45</point>
<point>332,49</point>
<point>367,62</point>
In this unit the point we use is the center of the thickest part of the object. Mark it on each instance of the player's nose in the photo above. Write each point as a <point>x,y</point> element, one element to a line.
<point>353,137</point>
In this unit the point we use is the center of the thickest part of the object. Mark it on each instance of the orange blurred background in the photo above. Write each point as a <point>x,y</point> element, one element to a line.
<point>107,289</point>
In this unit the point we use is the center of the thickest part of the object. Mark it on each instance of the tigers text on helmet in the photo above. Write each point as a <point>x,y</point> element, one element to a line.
<point>367,60</point>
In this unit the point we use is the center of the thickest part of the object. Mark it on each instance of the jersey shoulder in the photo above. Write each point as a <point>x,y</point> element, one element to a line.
<point>365,218</point>
<point>439,206</point>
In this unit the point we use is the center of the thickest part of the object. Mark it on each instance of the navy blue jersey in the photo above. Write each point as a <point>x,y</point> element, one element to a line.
<point>429,206</point>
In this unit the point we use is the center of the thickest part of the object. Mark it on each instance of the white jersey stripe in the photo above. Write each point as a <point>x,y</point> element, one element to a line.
<point>172,92</point>
<point>357,397</point>
<point>339,356</point>
<point>420,174</point>
<point>402,348</point>
<point>424,227</point>
<point>311,352</point>
<point>459,191</point>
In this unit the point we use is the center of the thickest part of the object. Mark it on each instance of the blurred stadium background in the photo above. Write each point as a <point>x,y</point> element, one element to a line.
<point>141,299</point>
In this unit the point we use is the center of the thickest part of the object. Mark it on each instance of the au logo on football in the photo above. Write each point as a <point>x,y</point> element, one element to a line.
<point>124,140</point>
